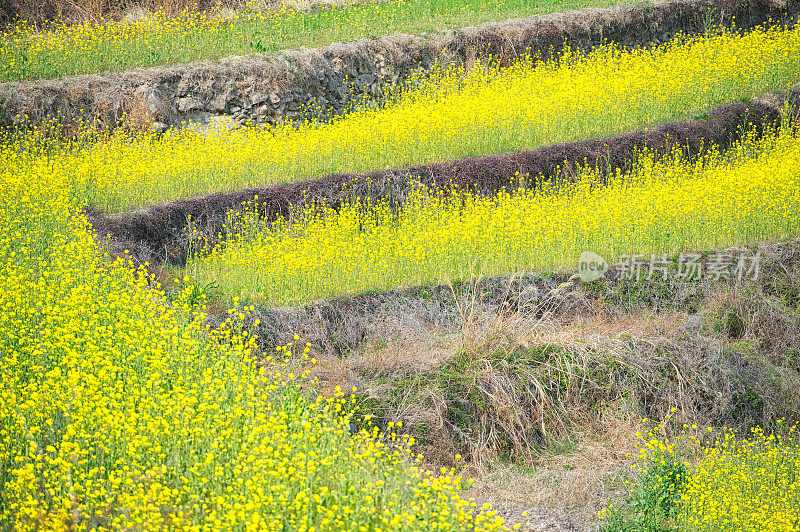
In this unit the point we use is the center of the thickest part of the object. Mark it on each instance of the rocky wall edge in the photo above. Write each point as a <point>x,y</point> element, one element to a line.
<point>317,83</point>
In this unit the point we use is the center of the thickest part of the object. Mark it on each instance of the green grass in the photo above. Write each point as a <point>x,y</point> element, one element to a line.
<point>26,54</point>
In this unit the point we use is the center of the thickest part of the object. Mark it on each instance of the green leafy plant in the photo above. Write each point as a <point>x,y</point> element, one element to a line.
<point>653,502</point>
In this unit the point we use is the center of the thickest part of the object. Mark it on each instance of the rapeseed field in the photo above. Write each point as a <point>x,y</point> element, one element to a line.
<point>457,114</point>
<point>729,483</point>
<point>122,410</point>
<point>745,484</point>
<point>750,193</point>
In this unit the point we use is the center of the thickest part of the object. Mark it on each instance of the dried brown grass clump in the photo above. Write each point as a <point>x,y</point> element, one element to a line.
<point>43,12</point>
<point>535,372</point>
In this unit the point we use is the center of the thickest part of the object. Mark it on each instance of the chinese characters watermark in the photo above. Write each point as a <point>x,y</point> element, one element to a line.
<point>686,267</point>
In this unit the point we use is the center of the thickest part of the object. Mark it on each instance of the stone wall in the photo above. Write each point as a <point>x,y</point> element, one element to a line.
<point>310,83</point>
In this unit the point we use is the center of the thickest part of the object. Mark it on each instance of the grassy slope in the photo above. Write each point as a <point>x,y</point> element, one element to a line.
<point>600,356</point>
<point>26,54</point>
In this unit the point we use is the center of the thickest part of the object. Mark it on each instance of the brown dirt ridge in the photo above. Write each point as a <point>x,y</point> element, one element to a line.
<point>159,234</point>
<point>313,83</point>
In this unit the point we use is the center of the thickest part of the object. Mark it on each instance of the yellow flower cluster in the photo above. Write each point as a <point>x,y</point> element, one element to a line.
<point>455,115</point>
<point>745,485</point>
<point>157,39</point>
<point>121,410</point>
<point>733,484</point>
<point>750,193</point>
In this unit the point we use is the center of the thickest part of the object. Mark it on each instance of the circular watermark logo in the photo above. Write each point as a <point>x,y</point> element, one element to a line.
<point>591,266</point>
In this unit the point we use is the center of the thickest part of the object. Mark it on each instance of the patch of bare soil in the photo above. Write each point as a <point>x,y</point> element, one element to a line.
<point>567,488</point>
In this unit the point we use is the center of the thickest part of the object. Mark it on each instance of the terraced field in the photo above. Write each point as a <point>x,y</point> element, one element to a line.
<point>332,317</point>
<point>158,39</point>
<point>456,115</point>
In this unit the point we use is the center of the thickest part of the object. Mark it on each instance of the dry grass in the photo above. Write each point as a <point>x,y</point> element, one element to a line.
<point>568,486</point>
<point>543,396</point>
<point>568,480</point>
<point>46,11</point>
